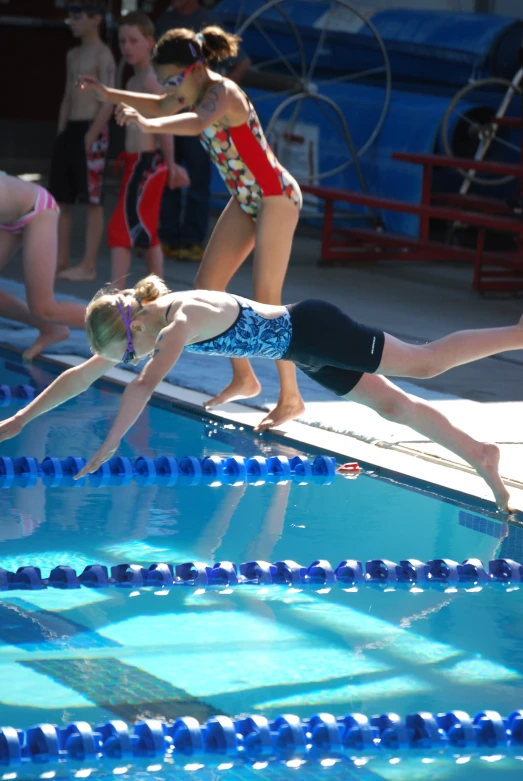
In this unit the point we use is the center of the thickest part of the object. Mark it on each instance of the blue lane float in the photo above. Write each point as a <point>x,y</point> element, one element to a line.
<point>168,471</point>
<point>17,394</point>
<point>255,739</point>
<point>381,574</point>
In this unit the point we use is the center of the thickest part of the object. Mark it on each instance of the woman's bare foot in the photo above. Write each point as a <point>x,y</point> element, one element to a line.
<point>48,336</point>
<point>488,468</point>
<point>241,388</point>
<point>285,410</point>
<point>78,273</point>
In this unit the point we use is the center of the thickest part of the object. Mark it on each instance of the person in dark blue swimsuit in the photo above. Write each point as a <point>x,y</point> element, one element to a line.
<point>340,354</point>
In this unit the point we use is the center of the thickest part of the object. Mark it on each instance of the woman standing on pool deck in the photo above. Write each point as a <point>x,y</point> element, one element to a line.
<point>264,209</point>
<point>340,354</point>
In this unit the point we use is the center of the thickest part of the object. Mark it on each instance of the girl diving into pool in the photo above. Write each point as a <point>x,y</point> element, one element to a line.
<point>350,359</point>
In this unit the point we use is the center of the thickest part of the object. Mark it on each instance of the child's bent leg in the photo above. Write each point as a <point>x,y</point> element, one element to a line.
<point>154,260</point>
<point>39,258</point>
<point>401,359</point>
<point>120,265</point>
<point>86,269</point>
<point>275,229</point>
<point>392,403</point>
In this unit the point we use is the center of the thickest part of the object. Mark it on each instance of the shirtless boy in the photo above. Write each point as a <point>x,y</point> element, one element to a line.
<point>80,149</point>
<point>147,168</point>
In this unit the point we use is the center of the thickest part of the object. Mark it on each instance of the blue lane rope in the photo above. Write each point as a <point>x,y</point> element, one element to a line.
<point>378,573</point>
<point>17,394</point>
<point>168,471</point>
<point>253,739</point>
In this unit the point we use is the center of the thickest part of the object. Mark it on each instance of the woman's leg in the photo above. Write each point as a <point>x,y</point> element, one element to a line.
<point>401,359</point>
<point>275,229</point>
<point>392,403</point>
<point>120,264</point>
<point>231,242</point>
<point>154,260</point>
<point>39,257</point>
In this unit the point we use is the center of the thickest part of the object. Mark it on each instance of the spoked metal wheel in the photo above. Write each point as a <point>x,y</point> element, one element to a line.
<point>307,77</point>
<point>469,126</point>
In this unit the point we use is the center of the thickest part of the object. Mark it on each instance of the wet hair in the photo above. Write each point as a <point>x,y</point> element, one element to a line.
<point>103,320</point>
<point>140,20</point>
<point>181,46</point>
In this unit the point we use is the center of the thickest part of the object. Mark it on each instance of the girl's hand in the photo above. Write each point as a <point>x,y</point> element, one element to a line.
<point>104,453</point>
<point>89,82</point>
<point>125,115</point>
<point>178,177</point>
<point>10,427</point>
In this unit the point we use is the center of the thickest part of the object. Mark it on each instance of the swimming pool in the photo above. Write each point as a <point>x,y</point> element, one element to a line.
<point>98,655</point>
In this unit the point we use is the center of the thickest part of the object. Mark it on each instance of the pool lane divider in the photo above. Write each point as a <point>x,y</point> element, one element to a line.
<point>258,741</point>
<point>25,471</point>
<point>408,574</point>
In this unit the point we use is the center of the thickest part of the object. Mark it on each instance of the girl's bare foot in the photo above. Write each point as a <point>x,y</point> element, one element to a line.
<point>285,410</point>
<point>241,388</point>
<point>488,467</point>
<point>48,336</point>
<point>78,273</point>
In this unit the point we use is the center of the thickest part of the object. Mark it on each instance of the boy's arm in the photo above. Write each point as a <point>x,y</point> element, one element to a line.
<point>170,343</point>
<point>69,384</point>
<point>63,114</point>
<point>107,70</point>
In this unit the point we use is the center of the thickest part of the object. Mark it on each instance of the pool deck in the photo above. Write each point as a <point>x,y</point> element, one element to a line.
<point>416,302</point>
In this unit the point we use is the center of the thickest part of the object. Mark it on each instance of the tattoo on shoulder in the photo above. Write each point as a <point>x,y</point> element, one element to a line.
<point>211,99</point>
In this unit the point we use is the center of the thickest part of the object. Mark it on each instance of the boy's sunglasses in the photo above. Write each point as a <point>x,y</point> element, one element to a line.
<point>175,81</point>
<point>76,11</point>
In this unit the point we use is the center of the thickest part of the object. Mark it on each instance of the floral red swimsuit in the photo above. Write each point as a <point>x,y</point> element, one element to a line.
<point>247,164</point>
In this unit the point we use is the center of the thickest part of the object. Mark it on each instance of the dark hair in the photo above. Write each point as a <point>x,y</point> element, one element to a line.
<point>140,20</point>
<point>91,7</point>
<point>181,46</point>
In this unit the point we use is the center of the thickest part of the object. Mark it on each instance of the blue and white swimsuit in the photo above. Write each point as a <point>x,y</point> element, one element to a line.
<point>325,343</point>
<point>250,336</point>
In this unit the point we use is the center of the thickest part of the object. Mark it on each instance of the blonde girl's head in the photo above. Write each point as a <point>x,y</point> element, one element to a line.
<point>110,313</point>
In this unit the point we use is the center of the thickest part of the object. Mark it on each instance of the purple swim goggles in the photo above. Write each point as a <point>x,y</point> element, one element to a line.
<point>127,317</point>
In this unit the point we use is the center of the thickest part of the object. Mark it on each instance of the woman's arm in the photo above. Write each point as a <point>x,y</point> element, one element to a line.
<point>153,105</point>
<point>170,345</point>
<point>69,384</point>
<point>217,101</point>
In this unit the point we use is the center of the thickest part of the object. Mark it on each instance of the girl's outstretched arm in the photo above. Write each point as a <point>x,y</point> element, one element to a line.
<point>169,347</point>
<point>69,384</point>
<point>216,102</point>
<point>149,104</point>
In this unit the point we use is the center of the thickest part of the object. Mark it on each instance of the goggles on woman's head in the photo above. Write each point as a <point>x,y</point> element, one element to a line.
<point>175,81</point>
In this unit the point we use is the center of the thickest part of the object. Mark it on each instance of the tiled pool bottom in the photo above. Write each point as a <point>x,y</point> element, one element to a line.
<point>97,655</point>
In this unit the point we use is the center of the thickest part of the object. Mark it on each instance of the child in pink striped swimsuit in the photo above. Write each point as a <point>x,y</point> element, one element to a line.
<point>29,217</point>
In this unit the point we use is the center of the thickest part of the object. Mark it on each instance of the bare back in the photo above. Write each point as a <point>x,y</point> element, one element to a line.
<point>212,311</point>
<point>87,60</point>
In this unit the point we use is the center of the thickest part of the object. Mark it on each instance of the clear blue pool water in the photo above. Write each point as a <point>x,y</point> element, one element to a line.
<point>96,655</point>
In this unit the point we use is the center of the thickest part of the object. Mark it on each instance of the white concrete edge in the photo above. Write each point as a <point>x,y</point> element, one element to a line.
<point>414,465</point>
